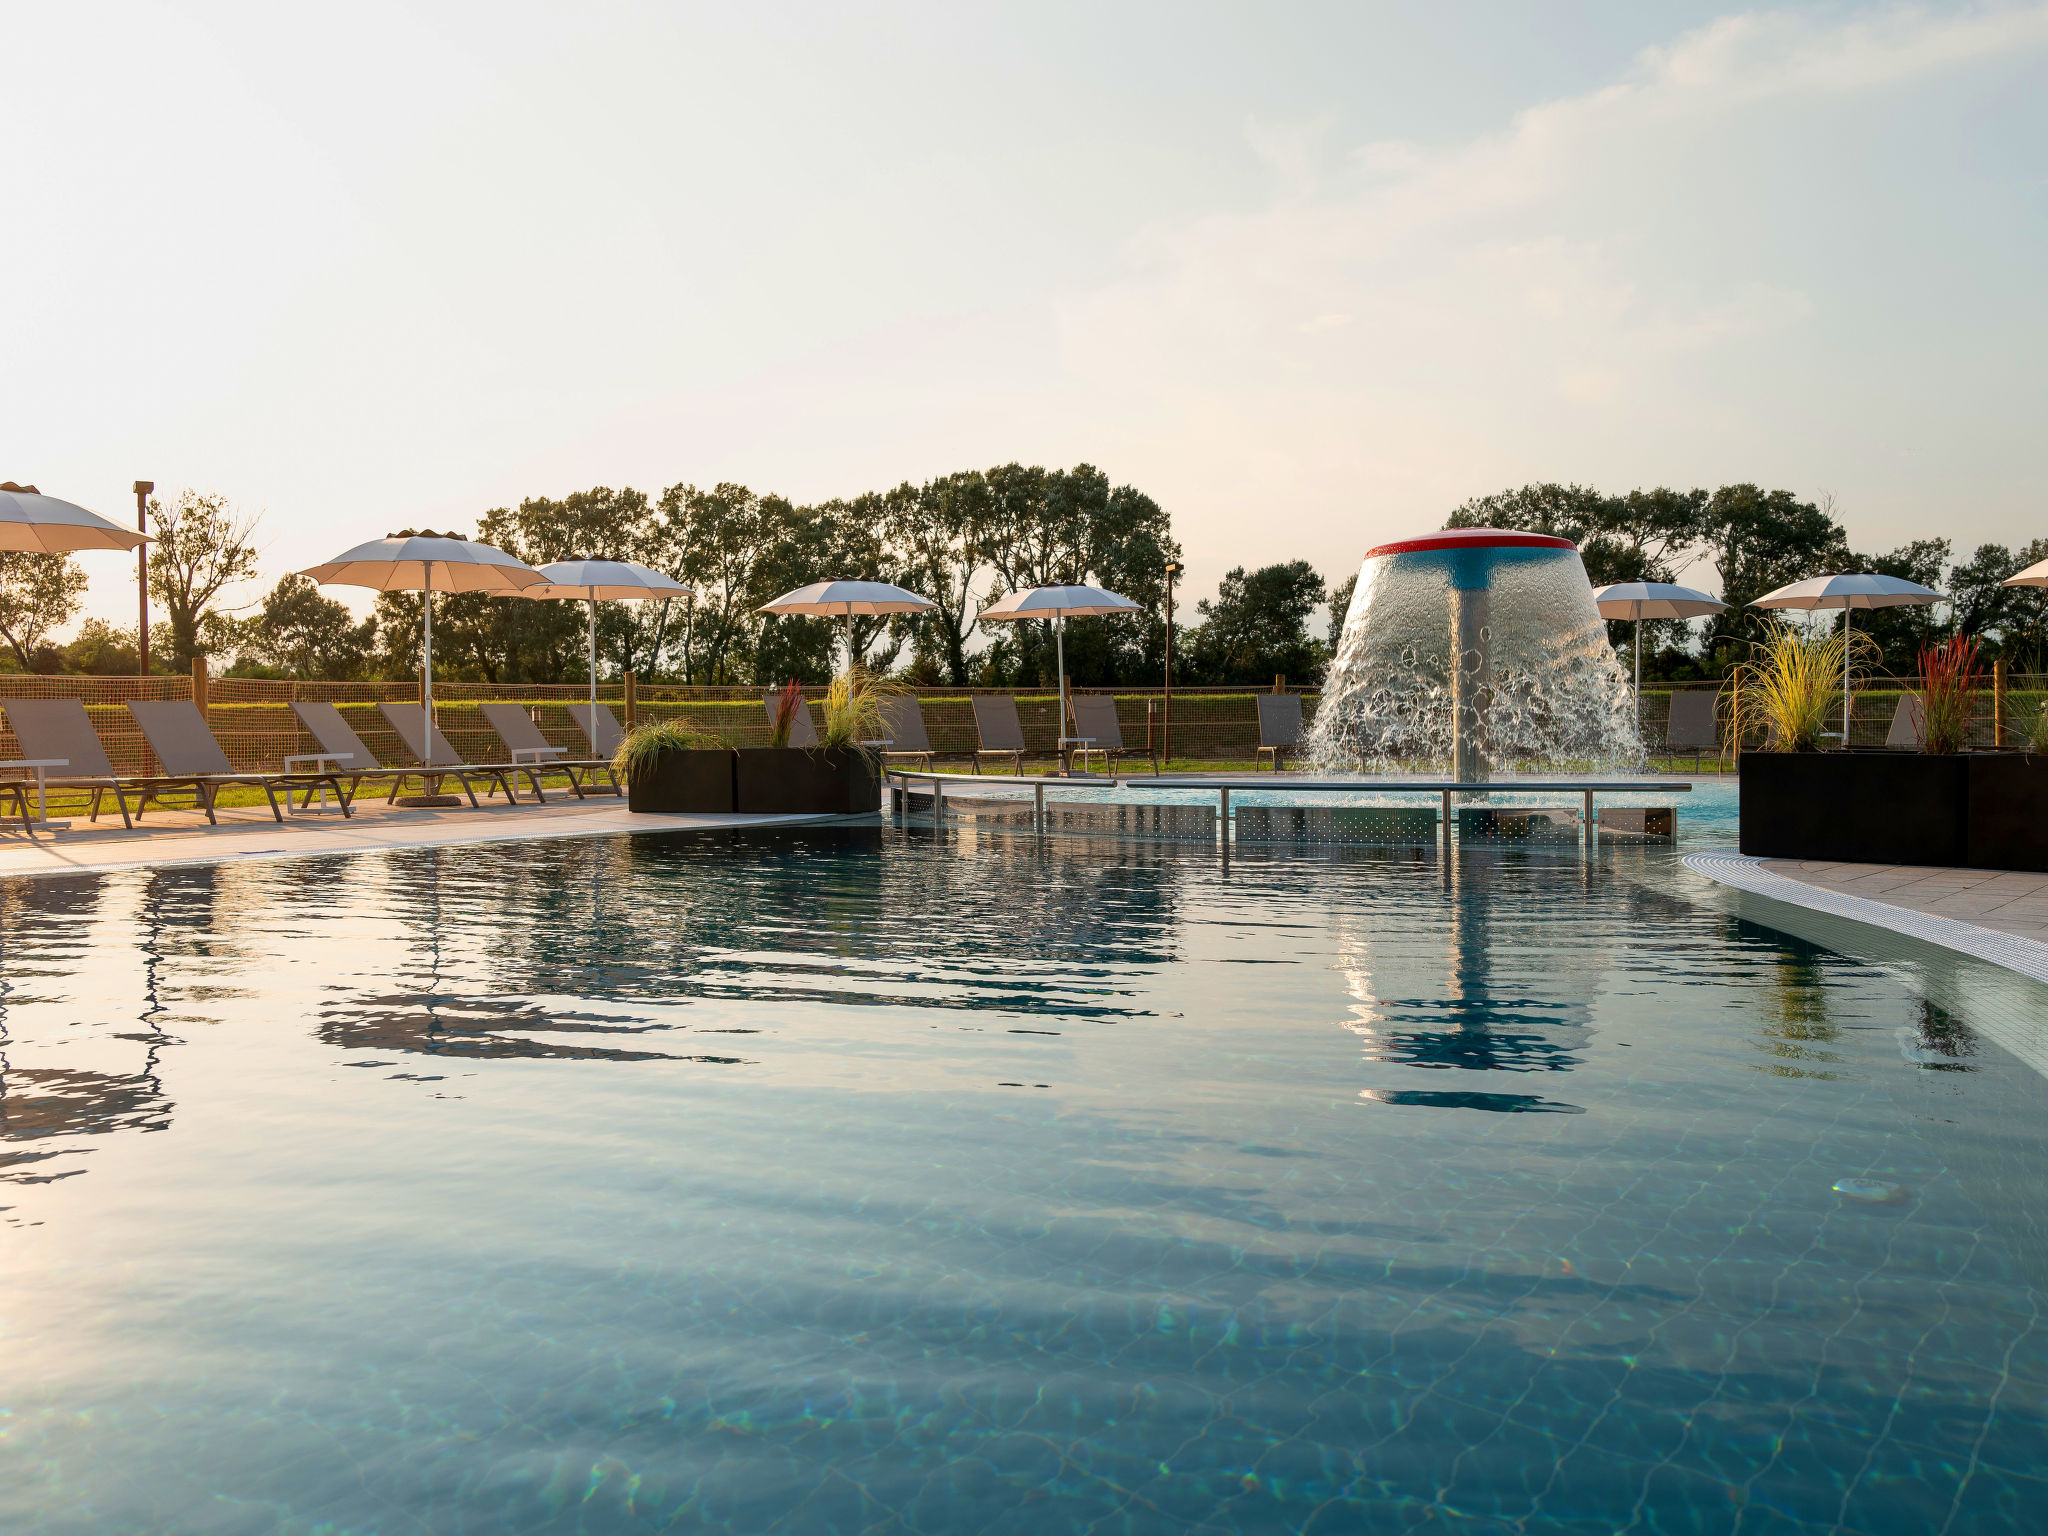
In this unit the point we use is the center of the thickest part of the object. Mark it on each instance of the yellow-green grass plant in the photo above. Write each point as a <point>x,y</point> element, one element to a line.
<point>1791,685</point>
<point>853,711</point>
<point>644,745</point>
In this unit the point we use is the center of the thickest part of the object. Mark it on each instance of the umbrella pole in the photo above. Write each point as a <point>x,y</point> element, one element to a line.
<point>1059,641</point>
<point>1639,674</point>
<point>427,649</point>
<point>593,661</point>
<point>1848,623</point>
<point>849,639</point>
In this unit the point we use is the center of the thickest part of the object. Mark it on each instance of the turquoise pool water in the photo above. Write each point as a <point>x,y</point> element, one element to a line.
<point>852,1180</point>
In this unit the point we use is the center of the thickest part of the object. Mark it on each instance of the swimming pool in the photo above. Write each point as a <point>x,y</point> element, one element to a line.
<point>860,1180</point>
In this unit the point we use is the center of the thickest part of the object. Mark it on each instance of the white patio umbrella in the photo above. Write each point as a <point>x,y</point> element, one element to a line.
<point>1640,600</point>
<point>428,563</point>
<point>1058,604</point>
<point>845,598</point>
<point>2035,575</point>
<point>611,581</point>
<point>33,523</point>
<point>1848,593</point>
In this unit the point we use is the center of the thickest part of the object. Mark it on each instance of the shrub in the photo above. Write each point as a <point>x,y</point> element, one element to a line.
<point>853,710</point>
<point>782,718</point>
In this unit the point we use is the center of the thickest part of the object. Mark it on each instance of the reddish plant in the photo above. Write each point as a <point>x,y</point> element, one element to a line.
<point>1950,675</point>
<point>782,720</point>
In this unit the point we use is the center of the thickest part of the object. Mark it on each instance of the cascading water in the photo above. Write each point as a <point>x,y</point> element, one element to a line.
<point>1471,647</point>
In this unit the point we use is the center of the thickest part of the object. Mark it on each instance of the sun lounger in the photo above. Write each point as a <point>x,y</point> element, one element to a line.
<point>339,744</point>
<point>903,724</point>
<point>533,754</point>
<point>59,730</point>
<point>602,730</point>
<point>1097,729</point>
<point>185,745</point>
<point>801,732</point>
<point>436,759</point>
<point>1694,725</point>
<point>1279,725</point>
<point>998,731</point>
<point>1909,726</point>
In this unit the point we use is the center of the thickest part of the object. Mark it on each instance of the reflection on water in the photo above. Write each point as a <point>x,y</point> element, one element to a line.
<point>862,1180</point>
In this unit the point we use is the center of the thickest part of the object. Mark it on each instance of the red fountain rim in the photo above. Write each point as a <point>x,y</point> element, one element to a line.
<point>1472,538</point>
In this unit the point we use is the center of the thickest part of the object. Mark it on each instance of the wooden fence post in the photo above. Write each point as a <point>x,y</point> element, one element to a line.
<point>632,689</point>
<point>1998,703</point>
<point>199,683</point>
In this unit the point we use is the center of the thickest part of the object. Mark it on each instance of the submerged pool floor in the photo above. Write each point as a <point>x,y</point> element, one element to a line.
<point>854,1180</point>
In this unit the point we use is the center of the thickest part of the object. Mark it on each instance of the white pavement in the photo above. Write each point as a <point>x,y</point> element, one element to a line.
<point>183,837</point>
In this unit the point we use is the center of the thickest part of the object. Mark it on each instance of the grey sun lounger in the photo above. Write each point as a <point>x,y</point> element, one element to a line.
<point>339,742</point>
<point>1694,725</point>
<point>184,743</point>
<point>1909,726</point>
<point>1095,720</point>
<point>802,733</point>
<point>903,724</point>
<point>436,759</point>
<point>601,730</point>
<point>60,730</point>
<point>533,754</point>
<point>998,731</point>
<point>1279,725</point>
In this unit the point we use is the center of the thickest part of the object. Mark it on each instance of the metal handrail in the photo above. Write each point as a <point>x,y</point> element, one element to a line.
<point>1446,789</point>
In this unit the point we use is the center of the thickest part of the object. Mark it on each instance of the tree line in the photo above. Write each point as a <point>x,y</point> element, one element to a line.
<point>960,540</point>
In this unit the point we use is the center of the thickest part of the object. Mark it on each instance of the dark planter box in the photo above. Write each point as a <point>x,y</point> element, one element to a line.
<point>797,781</point>
<point>2008,811</point>
<point>683,782</point>
<point>1861,807</point>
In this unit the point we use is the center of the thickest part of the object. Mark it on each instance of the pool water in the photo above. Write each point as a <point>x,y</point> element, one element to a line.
<point>856,1180</point>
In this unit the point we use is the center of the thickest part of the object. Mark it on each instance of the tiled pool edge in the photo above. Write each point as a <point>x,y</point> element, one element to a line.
<point>2027,956</point>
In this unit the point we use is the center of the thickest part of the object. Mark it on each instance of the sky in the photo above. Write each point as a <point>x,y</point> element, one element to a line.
<point>1309,275</point>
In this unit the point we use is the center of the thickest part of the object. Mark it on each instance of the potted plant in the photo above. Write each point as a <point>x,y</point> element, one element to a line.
<point>839,776</point>
<point>1940,804</point>
<point>669,768</point>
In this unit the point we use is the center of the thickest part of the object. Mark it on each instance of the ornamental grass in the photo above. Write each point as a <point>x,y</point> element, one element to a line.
<point>1792,684</point>
<point>1950,677</point>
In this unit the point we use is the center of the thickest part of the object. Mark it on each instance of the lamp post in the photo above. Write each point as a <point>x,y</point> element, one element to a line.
<point>143,488</point>
<point>1166,711</point>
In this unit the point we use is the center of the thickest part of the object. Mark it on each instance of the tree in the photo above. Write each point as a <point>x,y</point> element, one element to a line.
<point>100,650</point>
<point>302,634</point>
<point>38,594</point>
<point>1902,633</point>
<point>1258,626</point>
<point>723,534</point>
<point>1340,610</point>
<point>1760,540</point>
<point>202,546</point>
<point>938,529</point>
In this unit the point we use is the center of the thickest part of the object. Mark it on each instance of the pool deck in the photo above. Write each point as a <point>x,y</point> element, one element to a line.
<point>1995,914</point>
<point>248,832</point>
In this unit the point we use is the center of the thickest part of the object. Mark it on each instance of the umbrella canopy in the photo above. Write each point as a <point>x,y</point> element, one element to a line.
<point>1863,591</point>
<point>33,523</point>
<point>1847,593</point>
<point>843,599</point>
<point>612,581</point>
<point>609,581</point>
<point>1059,604</point>
<point>429,563</point>
<point>2035,575</point>
<point>1641,600</point>
<point>426,562</point>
